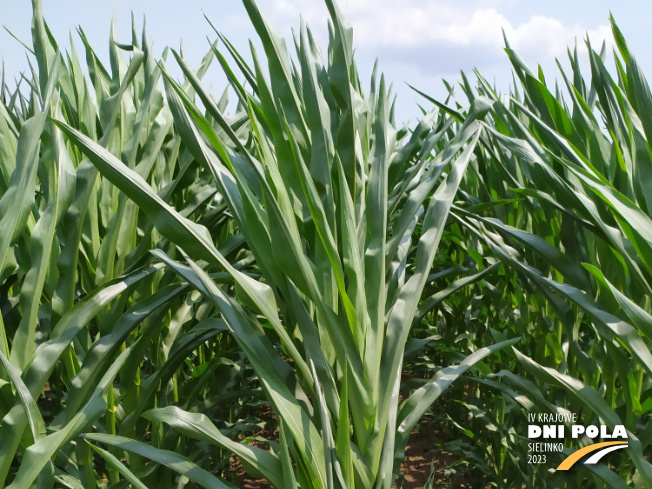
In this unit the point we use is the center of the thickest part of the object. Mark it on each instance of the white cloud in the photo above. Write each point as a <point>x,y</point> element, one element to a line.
<point>469,33</point>
<point>425,41</point>
<point>548,37</point>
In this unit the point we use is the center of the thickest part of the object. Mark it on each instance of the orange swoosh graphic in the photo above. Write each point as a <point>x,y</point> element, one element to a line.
<point>571,459</point>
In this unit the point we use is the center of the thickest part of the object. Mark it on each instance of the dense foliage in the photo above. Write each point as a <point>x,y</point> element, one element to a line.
<point>179,275</point>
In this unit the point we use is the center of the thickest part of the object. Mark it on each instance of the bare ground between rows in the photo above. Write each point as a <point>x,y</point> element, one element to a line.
<point>422,458</point>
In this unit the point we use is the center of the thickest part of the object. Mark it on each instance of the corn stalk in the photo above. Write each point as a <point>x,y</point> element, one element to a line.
<point>343,214</point>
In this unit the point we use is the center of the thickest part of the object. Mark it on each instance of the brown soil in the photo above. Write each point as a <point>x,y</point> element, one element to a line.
<point>247,482</point>
<point>422,458</point>
<point>243,480</point>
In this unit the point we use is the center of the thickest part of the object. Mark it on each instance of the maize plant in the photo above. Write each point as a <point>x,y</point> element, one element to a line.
<point>343,214</point>
<point>92,331</point>
<point>562,185</point>
<point>170,262</point>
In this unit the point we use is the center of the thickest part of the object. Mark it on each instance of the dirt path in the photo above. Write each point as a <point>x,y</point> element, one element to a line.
<point>423,461</point>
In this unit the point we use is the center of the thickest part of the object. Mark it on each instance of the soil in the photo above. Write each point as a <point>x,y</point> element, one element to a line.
<point>423,459</point>
<point>243,480</point>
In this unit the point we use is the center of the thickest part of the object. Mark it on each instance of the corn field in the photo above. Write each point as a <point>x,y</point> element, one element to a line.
<point>182,273</point>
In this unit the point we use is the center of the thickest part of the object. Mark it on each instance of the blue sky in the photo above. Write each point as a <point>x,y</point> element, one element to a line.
<point>419,41</point>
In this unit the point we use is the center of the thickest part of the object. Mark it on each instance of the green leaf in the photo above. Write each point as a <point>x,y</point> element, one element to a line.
<point>172,460</point>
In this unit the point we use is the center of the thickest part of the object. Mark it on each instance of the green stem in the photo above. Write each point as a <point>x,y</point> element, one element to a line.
<point>114,475</point>
<point>85,465</point>
<point>4,345</point>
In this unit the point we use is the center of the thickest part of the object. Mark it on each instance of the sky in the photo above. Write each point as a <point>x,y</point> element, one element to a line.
<point>420,42</point>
